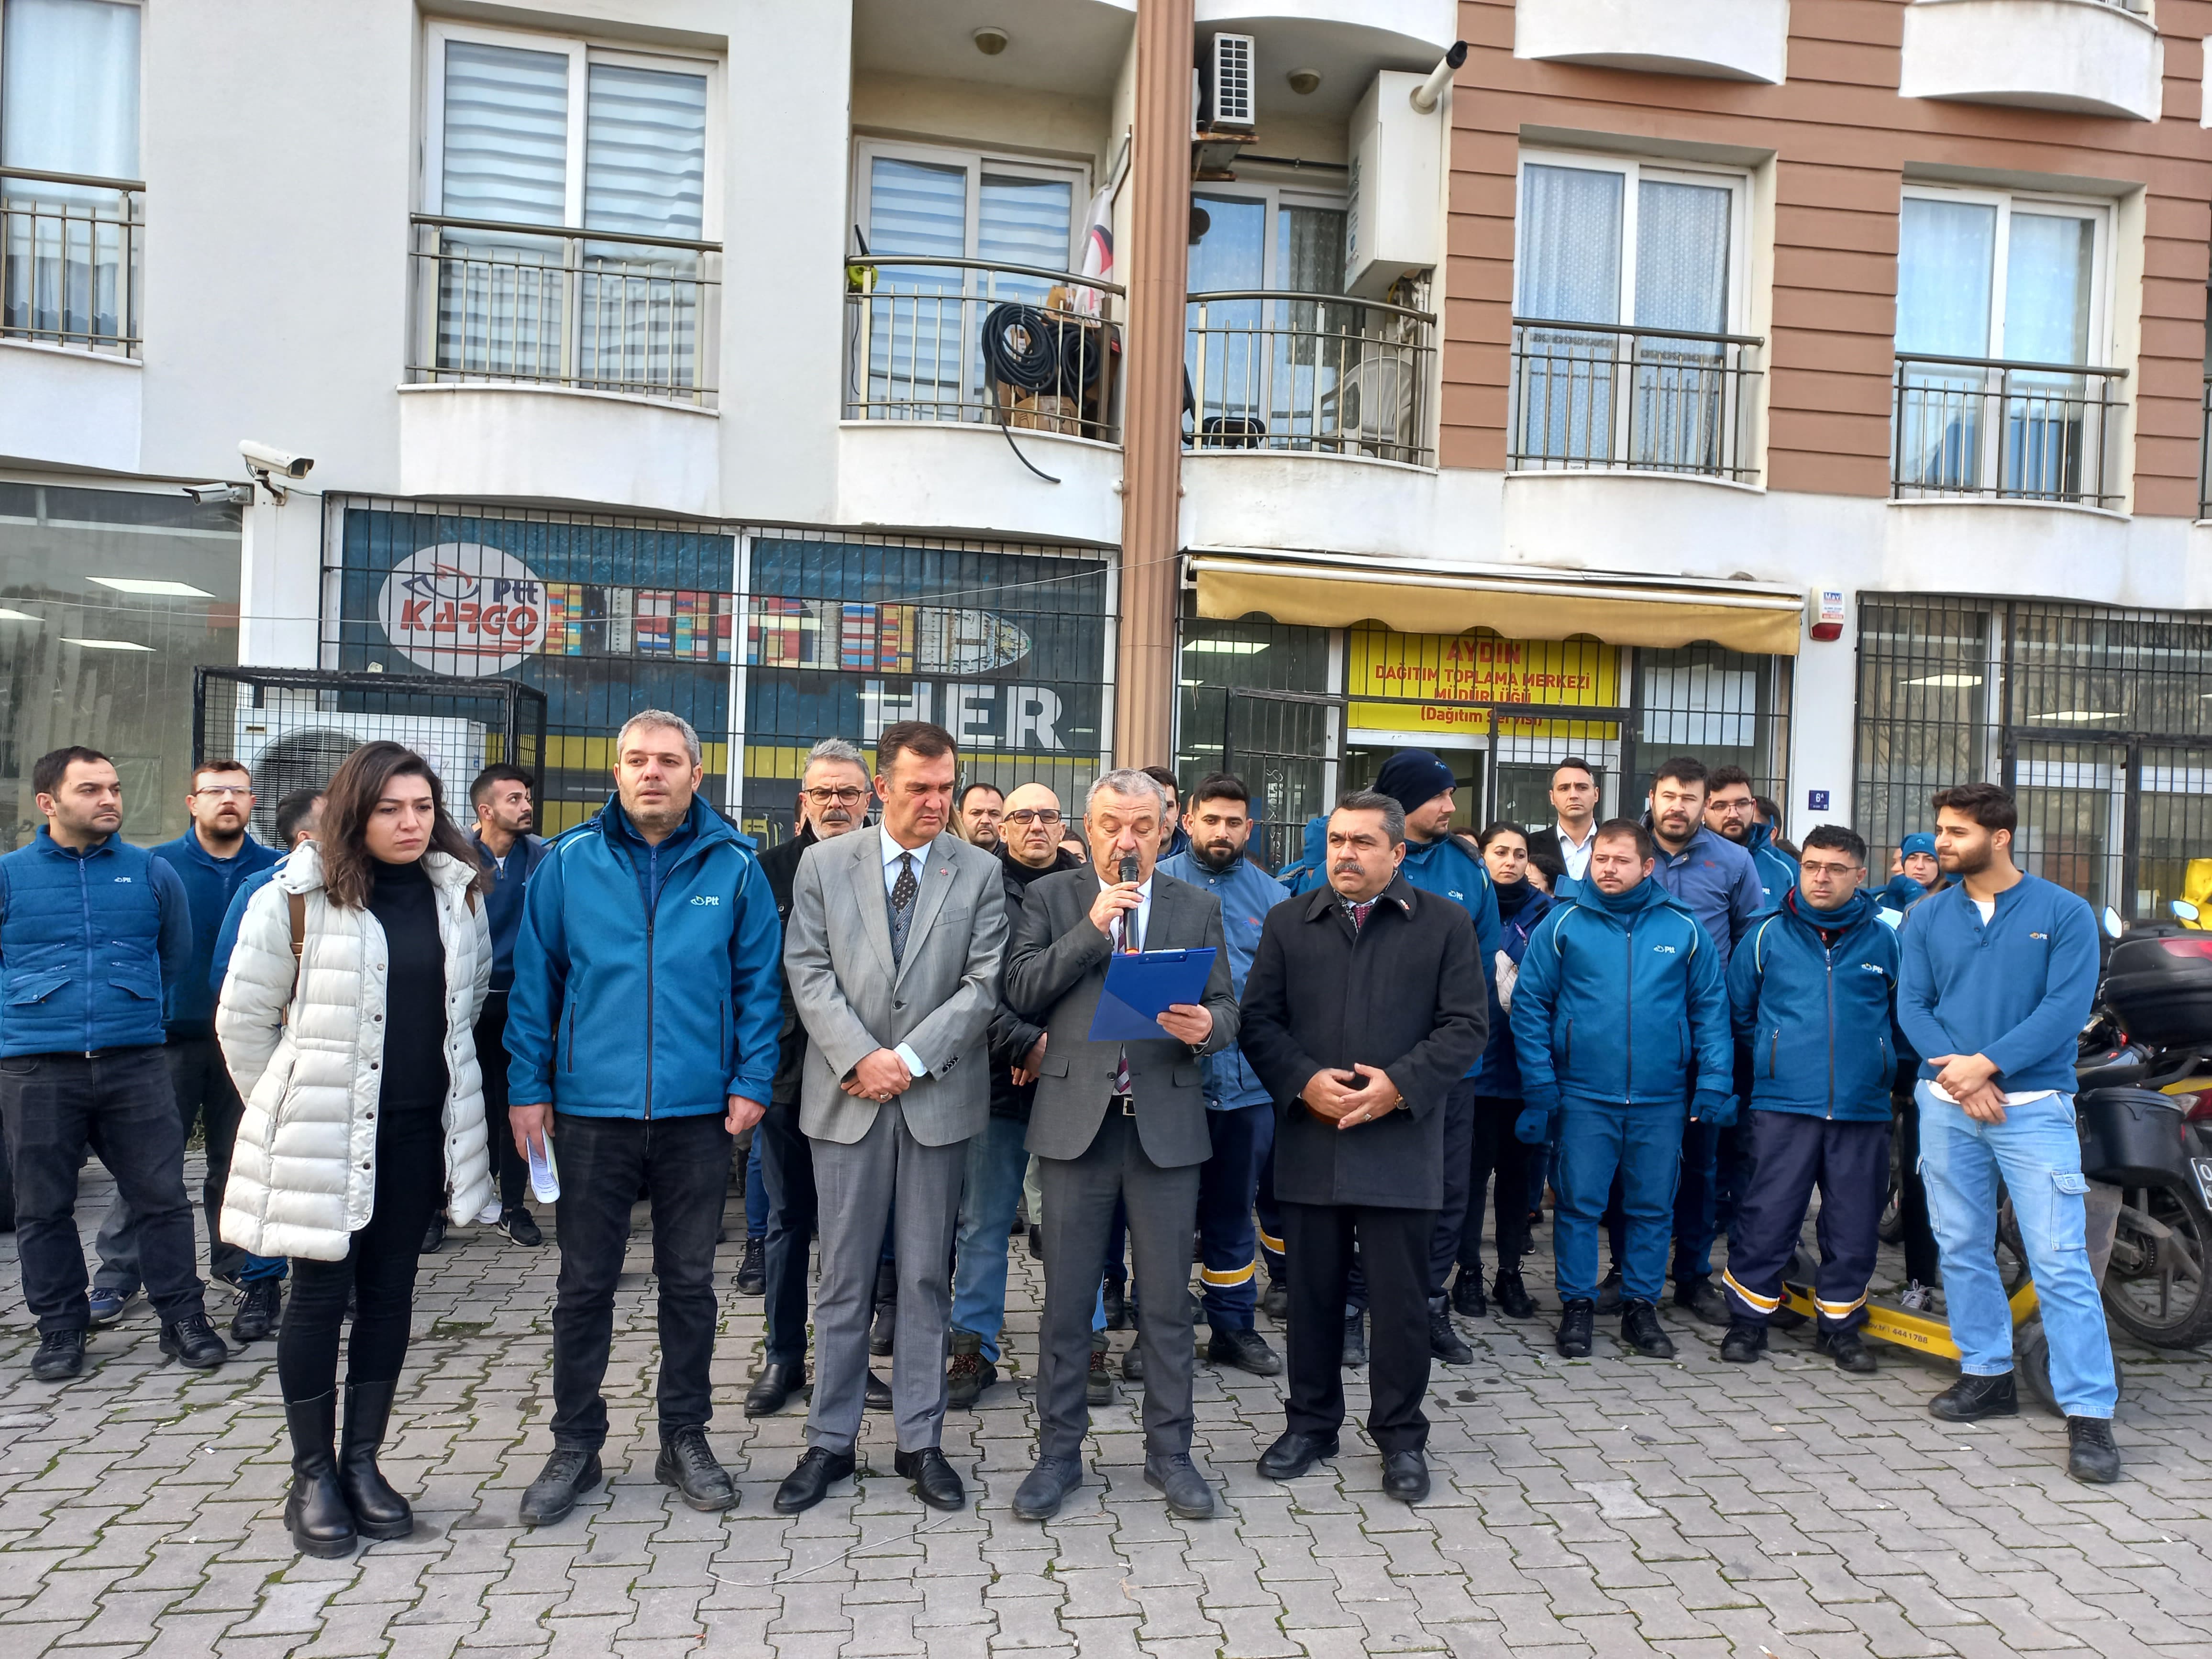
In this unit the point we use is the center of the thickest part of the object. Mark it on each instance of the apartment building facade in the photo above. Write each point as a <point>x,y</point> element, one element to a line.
<point>1813,385</point>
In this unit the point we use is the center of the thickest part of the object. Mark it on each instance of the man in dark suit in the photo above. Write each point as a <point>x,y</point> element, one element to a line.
<point>1117,1120</point>
<point>1364,1007</point>
<point>1563,848</point>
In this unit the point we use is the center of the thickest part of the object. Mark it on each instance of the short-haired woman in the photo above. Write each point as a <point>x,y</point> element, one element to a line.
<point>347,1019</point>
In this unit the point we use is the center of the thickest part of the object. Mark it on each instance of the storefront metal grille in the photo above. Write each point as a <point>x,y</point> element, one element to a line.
<point>2099,720</point>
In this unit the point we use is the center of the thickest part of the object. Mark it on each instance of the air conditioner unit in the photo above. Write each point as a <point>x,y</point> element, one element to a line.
<point>291,743</point>
<point>1374,405</point>
<point>1232,97</point>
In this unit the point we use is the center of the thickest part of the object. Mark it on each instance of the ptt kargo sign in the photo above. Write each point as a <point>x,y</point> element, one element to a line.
<point>463,607</point>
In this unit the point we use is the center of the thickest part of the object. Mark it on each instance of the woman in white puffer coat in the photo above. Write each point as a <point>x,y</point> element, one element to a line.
<point>347,1018</point>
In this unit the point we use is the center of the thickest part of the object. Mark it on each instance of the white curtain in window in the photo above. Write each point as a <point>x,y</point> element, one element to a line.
<point>69,102</point>
<point>1681,256</point>
<point>915,329</point>
<point>2047,280</point>
<point>1946,258</point>
<point>1570,244</point>
<point>501,297</point>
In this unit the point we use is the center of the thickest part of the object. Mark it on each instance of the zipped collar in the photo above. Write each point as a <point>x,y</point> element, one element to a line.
<point>192,839</point>
<point>1842,921</point>
<point>45,837</point>
<point>703,827</point>
<point>1646,894</point>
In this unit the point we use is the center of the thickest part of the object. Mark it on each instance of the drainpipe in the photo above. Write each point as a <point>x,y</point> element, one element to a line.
<point>1151,434</point>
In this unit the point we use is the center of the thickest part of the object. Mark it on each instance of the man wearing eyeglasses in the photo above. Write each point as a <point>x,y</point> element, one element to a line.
<point>833,800</point>
<point>213,859</point>
<point>1029,849</point>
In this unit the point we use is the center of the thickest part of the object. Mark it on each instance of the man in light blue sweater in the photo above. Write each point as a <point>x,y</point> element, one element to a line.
<point>1997,977</point>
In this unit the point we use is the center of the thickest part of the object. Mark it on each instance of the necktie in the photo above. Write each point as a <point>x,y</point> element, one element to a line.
<point>1130,942</point>
<point>902,891</point>
<point>1359,913</point>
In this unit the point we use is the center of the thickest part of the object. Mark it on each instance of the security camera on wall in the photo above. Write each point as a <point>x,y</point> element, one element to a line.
<point>266,462</point>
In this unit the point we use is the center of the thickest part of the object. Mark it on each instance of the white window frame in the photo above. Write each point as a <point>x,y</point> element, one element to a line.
<point>2100,344</point>
<point>581,51</point>
<point>977,161</point>
<point>1634,171</point>
<point>1276,197</point>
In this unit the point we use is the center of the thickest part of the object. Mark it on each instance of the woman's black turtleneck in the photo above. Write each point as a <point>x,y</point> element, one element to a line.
<point>1512,896</point>
<point>406,905</point>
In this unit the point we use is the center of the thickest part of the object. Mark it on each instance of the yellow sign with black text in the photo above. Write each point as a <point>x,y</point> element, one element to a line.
<point>1440,683</point>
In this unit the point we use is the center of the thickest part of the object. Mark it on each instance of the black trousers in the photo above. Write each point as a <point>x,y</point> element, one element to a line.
<point>1792,1152</point>
<point>55,1106</point>
<point>683,1165</point>
<point>1444,1242</point>
<point>1498,1151</point>
<point>1393,1246</point>
<point>508,1170</point>
<point>788,1173</point>
<point>200,1082</point>
<point>379,1267</point>
<point>1922,1260</point>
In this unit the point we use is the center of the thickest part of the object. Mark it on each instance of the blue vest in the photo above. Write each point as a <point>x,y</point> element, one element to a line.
<point>80,949</point>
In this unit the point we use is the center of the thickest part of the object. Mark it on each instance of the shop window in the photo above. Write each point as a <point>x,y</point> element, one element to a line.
<point>1254,699</point>
<point>108,599</point>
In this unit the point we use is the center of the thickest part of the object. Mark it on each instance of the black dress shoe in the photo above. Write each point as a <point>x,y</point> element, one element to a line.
<point>1294,1453</point>
<point>568,1473</point>
<point>1973,1397</point>
<point>877,1395</point>
<point>772,1390</point>
<point>1576,1320</point>
<point>1037,1242</point>
<point>2090,1454</point>
<point>1406,1476</point>
<point>377,1511</point>
<point>934,1482</point>
<point>885,1328</point>
<point>810,1483</point>
<point>1117,1305</point>
<point>1176,1479</point>
<point>1511,1294</point>
<point>260,1305</point>
<point>60,1356</point>
<point>1849,1350</point>
<point>1608,1291</point>
<point>1245,1350</point>
<point>192,1341</point>
<point>689,1464</point>
<point>1744,1343</point>
<point>1445,1344</point>
<point>1641,1330</point>
<point>752,1269</point>
<point>1045,1487</point>
<point>1467,1297</point>
<point>434,1237</point>
<point>1355,1340</point>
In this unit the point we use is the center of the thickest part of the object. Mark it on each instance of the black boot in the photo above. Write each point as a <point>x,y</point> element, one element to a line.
<point>1467,1292</point>
<point>1576,1319</point>
<point>377,1511</point>
<point>1444,1342</point>
<point>1512,1296</point>
<point>886,1322</point>
<point>1640,1329</point>
<point>316,1513</point>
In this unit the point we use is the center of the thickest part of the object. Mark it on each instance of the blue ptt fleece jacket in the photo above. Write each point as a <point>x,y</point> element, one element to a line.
<point>1776,870</point>
<point>1621,1002</point>
<point>210,884</point>
<point>1813,993</point>
<point>648,981</point>
<point>2017,990</point>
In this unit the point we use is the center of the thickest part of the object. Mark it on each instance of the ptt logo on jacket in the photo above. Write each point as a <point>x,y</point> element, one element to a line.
<point>1664,950</point>
<point>706,898</point>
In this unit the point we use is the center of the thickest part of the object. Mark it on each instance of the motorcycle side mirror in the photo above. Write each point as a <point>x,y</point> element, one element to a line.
<point>2184,910</point>
<point>2111,922</point>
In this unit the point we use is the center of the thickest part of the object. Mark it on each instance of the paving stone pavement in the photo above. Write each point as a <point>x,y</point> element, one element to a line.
<point>1612,1506</point>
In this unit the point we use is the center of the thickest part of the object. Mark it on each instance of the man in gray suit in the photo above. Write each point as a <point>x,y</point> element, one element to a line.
<point>893,953</point>
<point>1112,1120</point>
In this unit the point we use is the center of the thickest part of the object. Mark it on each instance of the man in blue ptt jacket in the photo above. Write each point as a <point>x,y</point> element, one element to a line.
<point>642,1028</point>
<point>1240,1113</point>
<point>213,859</point>
<point>92,933</point>
<point>1999,976</point>
<point>505,813</point>
<point>1732,812</point>
<point>1813,988</point>
<point>1620,1021</point>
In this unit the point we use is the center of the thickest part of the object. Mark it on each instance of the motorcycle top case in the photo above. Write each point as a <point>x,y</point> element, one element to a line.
<point>2159,981</point>
<point>2133,1138</point>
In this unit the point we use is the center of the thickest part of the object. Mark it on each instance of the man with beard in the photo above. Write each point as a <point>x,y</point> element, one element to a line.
<point>1715,880</point>
<point>506,814</point>
<point>1998,976</point>
<point>212,859</point>
<point>1240,1113</point>
<point>981,811</point>
<point>1028,848</point>
<point>833,801</point>
<point>1732,811</point>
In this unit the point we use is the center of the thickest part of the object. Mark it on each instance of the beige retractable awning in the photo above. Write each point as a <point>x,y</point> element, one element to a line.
<point>1546,606</point>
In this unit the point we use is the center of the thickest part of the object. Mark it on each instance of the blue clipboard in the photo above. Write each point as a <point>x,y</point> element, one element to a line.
<point>1141,986</point>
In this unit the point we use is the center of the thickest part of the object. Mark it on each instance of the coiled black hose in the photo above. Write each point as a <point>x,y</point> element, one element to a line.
<point>1037,351</point>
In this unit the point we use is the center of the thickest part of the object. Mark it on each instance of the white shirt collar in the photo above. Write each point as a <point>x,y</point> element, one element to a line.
<point>892,851</point>
<point>1567,840</point>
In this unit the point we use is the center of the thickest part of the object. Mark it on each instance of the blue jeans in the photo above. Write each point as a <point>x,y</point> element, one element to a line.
<point>2037,1153</point>
<point>997,1160</point>
<point>1643,1145</point>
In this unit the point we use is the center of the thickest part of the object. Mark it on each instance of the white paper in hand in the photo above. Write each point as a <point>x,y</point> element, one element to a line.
<point>1507,976</point>
<point>544,1174</point>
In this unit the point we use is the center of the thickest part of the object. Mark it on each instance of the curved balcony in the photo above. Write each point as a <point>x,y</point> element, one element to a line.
<point>1309,372</point>
<point>1724,40</point>
<point>2089,57</point>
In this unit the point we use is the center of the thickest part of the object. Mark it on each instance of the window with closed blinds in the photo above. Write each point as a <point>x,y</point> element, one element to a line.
<point>645,173</point>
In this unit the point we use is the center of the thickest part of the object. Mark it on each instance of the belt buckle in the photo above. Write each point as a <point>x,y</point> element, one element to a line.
<point>1127,1103</point>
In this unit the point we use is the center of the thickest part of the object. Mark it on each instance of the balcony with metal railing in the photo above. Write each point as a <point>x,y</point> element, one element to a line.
<point>552,306</point>
<point>1310,373</point>
<point>1997,430</point>
<point>2089,57</point>
<point>972,342</point>
<point>1590,397</point>
<point>70,254</point>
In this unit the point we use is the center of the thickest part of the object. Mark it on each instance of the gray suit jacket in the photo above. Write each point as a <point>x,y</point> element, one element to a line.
<point>938,1000</point>
<point>1054,972</point>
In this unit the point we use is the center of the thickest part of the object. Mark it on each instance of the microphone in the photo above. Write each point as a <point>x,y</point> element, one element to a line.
<point>1130,871</point>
